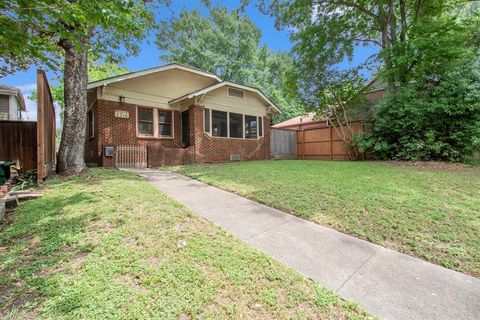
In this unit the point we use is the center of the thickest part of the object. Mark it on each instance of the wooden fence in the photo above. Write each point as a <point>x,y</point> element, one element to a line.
<point>323,143</point>
<point>18,143</point>
<point>46,128</point>
<point>283,144</point>
<point>131,157</point>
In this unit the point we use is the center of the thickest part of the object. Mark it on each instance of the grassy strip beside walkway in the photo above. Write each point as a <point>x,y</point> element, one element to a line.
<point>107,245</point>
<point>430,213</point>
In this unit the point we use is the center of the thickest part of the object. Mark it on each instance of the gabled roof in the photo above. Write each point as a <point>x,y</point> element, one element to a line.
<point>135,74</point>
<point>222,84</point>
<point>12,91</point>
<point>307,118</point>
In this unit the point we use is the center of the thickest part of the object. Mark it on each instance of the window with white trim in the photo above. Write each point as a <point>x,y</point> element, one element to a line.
<point>206,120</point>
<point>145,121</point>
<point>152,122</point>
<point>250,127</point>
<point>219,124</point>
<point>165,123</point>
<point>236,125</point>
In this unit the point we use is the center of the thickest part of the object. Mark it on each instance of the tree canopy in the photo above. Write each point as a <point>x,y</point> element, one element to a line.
<point>228,43</point>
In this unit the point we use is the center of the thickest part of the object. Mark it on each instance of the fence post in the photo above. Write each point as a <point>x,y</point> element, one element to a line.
<point>331,142</point>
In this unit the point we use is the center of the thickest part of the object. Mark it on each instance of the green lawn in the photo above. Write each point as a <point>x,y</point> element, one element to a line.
<point>107,245</point>
<point>432,214</point>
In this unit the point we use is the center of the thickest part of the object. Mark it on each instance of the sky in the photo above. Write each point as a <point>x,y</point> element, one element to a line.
<point>149,54</point>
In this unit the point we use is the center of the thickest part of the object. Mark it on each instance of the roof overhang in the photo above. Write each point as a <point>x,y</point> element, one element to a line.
<point>229,84</point>
<point>136,74</point>
<point>17,93</point>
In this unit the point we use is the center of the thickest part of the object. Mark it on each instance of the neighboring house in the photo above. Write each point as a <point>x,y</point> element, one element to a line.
<point>375,93</point>
<point>11,103</point>
<point>307,121</point>
<point>181,114</point>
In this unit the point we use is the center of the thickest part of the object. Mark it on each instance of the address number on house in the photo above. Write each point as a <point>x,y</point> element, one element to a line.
<point>121,114</point>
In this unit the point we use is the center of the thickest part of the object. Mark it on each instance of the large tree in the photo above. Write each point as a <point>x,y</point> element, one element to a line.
<point>56,32</point>
<point>327,32</point>
<point>228,43</point>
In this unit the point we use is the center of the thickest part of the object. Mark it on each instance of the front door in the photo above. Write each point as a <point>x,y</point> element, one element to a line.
<point>185,129</point>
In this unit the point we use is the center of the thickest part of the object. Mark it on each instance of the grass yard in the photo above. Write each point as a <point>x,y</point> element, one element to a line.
<point>107,245</point>
<point>430,213</point>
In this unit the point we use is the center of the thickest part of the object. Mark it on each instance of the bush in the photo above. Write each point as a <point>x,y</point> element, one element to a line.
<point>429,120</point>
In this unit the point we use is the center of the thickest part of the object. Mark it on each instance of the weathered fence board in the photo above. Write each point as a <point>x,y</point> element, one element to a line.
<point>46,128</point>
<point>131,157</point>
<point>18,142</point>
<point>323,143</point>
<point>283,144</point>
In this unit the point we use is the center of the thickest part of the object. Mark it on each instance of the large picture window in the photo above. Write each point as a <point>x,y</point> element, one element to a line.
<point>250,127</point>
<point>219,124</point>
<point>145,121</point>
<point>164,123</point>
<point>236,125</point>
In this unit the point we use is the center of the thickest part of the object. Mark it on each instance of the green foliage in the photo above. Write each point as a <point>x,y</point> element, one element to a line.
<point>438,120</point>
<point>32,30</point>
<point>228,44</point>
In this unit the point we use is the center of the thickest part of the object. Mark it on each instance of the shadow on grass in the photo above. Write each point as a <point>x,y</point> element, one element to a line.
<point>37,239</point>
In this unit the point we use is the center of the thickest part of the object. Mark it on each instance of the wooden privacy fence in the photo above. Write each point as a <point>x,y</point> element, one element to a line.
<point>18,143</point>
<point>131,157</point>
<point>46,128</point>
<point>283,144</point>
<point>323,143</point>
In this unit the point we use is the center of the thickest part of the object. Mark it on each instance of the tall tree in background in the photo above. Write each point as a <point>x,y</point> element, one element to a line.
<point>228,44</point>
<point>56,31</point>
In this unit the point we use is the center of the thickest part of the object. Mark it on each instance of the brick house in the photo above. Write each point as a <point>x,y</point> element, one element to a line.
<point>177,114</point>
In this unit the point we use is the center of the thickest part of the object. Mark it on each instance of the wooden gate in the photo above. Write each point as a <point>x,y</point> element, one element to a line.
<point>283,144</point>
<point>131,157</point>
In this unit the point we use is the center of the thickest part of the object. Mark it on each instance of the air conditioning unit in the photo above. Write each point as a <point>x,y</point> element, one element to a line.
<point>108,151</point>
<point>234,157</point>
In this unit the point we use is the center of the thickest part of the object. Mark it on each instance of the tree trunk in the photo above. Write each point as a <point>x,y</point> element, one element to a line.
<point>70,158</point>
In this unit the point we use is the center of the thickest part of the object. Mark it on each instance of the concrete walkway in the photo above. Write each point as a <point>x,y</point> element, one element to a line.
<point>386,283</point>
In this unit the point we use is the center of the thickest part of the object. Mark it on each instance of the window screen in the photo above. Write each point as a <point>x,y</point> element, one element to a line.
<point>236,125</point>
<point>206,115</point>
<point>164,123</point>
<point>250,127</point>
<point>145,121</point>
<point>260,126</point>
<point>219,123</point>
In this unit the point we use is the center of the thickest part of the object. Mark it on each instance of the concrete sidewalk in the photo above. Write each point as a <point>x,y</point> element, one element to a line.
<point>386,283</point>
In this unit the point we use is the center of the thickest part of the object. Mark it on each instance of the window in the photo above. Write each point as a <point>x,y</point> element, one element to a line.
<point>236,125</point>
<point>219,123</point>
<point>91,124</point>
<point>235,93</point>
<point>164,123</point>
<point>206,120</point>
<point>250,127</point>
<point>145,121</point>
<point>260,126</point>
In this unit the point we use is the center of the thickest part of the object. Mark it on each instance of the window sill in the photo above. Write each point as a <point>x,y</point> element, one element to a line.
<point>236,139</point>
<point>154,138</point>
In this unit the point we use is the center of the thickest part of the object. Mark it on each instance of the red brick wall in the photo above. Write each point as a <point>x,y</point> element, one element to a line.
<point>112,131</point>
<point>215,149</point>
